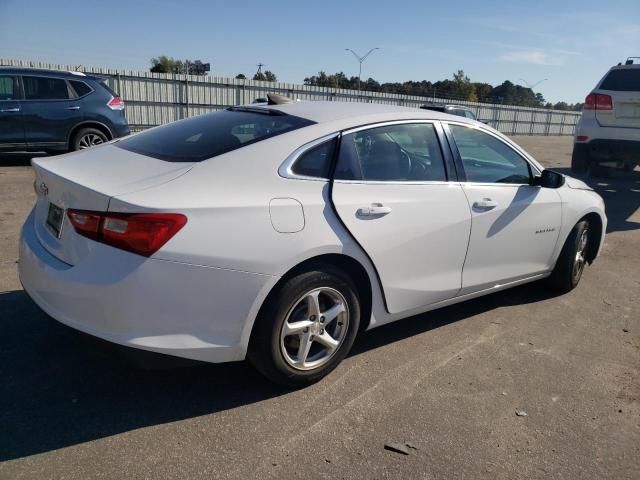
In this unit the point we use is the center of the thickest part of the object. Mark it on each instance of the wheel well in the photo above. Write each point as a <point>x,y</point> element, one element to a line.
<point>97,126</point>
<point>596,226</point>
<point>348,265</point>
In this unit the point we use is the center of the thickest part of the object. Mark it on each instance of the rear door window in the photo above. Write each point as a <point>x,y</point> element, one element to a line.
<point>45,88</point>
<point>395,153</point>
<point>9,89</point>
<point>206,136</point>
<point>627,80</point>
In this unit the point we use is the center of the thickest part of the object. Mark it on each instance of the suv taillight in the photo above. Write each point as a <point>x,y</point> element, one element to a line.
<point>116,103</point>
<point>141,233</point>
<point>598,101</point>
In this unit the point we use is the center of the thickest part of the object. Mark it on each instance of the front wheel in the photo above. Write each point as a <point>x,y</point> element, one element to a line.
<point>306,328</point>
<point>568,270</point>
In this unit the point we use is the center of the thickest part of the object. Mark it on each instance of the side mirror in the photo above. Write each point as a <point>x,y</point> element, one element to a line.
<point>549,179</point>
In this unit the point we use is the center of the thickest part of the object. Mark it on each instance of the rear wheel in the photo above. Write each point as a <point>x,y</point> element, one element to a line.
<point>568,270</point>
<point>306,328</point>
<point>88,137</point>
<point>596,169</point>
<point>579,159</point>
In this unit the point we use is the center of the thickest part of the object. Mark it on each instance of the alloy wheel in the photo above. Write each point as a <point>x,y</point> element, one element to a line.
<point>314,328</point>
<point>90,140</point>
<point>579,259</point>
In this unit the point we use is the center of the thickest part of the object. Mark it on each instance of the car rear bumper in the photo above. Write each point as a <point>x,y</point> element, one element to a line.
<point>120,130</point>
<point>609,150</point>
<point>168,307</point>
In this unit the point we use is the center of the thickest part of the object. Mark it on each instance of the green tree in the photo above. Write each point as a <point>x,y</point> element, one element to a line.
<point>164,64</point>
<point>241,76</point>
<point>270,76</point>
<point>260,76</point>
<point>463,88</point>
<point>483,91</point>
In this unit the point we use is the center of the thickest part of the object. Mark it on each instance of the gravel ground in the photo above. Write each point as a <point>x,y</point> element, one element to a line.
<point>449,383</point>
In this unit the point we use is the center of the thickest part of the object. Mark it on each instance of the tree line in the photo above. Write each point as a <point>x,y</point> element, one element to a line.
<point>165,64</point>
<point>459,87</point>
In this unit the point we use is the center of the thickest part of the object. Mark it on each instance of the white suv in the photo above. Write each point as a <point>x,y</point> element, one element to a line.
<point>609,130</point>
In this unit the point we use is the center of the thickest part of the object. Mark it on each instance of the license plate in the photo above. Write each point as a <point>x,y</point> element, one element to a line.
<point>54,219</point>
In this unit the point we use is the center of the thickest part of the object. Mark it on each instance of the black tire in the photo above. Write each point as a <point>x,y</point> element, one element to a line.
<point>88,137</point>
<point>596,170</point>
<point>269,349</point>
<point>579,159</point>
<point>566,275</point>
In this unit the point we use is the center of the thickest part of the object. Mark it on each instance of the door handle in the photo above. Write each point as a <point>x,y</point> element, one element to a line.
<point>485,204</point>
<point>375,209</point>
<point>13,109</point>
<point>73,108</point>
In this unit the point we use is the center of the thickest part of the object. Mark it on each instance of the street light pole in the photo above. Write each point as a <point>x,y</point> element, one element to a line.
<point>360,61</point>
<point>533,85</point>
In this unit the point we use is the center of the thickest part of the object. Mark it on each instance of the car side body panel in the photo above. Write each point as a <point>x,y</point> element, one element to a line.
<point>215,265</point>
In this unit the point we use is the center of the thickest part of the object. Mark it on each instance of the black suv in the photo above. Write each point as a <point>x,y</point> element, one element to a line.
<point>45,110</point>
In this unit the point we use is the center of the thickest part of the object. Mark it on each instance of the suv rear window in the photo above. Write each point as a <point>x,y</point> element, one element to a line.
<point>105,85</point>
<point>206,136</point>
<point>624,80</point>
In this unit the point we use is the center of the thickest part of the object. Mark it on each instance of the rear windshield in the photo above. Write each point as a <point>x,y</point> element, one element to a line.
<point>106,86</point>
<point>627,80</point>
<point>206,136</point>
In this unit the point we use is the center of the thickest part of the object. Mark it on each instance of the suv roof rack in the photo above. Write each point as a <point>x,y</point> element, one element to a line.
<point>630,60</point>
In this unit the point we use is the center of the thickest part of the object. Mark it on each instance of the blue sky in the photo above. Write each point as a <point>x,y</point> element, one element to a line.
<point>572,42</point>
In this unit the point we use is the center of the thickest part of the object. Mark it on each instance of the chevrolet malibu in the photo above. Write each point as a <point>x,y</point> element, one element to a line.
<point>278,232</point>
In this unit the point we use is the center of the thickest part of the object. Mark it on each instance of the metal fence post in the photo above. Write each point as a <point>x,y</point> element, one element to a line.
<point>186,96</point>
<point>119,85</point>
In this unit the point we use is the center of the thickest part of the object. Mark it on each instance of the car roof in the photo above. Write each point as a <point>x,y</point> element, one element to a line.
<point>626,67</point>
<point>43,71</point>
<point>354,112</point>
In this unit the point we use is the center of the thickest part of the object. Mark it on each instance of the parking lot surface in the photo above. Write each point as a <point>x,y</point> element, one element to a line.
<point>520,384</point>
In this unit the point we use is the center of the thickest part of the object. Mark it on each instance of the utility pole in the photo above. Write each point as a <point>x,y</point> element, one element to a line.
<point>360,61</point>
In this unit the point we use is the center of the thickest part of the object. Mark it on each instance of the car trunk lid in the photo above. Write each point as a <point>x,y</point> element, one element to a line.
<point>87,180</point>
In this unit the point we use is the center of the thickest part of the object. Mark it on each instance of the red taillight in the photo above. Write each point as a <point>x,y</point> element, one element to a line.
<point>85,223</point>
<point>141,233</point>
<point>598,101</point>
<point>116,103</point>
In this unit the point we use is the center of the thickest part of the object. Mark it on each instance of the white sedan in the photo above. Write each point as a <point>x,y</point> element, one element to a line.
<point>277,232</point>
